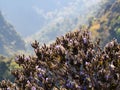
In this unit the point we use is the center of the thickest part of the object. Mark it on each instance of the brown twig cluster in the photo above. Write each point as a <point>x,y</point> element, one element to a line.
<point>73,62</point>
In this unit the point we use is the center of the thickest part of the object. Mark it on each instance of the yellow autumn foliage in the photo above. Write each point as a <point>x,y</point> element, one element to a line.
<point>94,30</point>
<point>95,26</point>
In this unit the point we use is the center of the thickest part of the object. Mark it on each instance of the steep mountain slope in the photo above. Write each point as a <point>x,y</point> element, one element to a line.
<point>107,24</point>
<point>10,41</point>
<point>67,19</point>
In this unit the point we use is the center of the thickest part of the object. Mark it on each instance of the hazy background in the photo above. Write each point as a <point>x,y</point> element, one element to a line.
<point>29,16</point>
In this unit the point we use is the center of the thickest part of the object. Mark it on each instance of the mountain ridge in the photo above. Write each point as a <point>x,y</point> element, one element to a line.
<point>63,24</point>
<point>10,41</point>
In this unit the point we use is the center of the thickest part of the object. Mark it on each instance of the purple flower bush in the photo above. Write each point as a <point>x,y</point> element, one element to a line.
<point>72,62</point>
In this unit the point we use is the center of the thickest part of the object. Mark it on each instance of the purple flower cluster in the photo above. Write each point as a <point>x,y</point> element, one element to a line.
<point>73,62</point>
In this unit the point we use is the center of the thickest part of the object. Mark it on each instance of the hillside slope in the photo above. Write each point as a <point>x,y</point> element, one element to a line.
<point>66,20</point>
<point>10,41</point>
<point>107,23</point>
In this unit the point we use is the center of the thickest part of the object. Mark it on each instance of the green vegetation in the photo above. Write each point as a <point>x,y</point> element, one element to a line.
<point>107,24</point>
<point>118,33</point>
<point>6,65</point>
<point>4,68</point>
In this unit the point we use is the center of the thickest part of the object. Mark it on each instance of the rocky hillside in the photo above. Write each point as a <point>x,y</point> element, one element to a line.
<point>107,24</point>
<point>10,41</point>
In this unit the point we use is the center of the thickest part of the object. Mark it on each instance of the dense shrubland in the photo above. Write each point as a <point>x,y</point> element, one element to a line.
<point>72,62</point>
